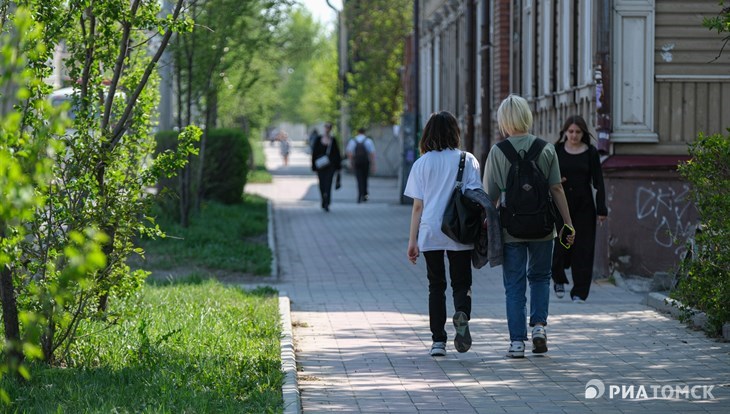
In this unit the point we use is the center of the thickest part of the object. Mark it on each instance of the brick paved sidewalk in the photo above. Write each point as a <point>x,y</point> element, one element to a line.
<point>360,322</point>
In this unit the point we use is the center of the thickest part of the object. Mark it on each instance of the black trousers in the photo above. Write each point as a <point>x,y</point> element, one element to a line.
<point>362,171</point>
<point>325,185</point>
<point>579,258</point>
<point>460,273</point>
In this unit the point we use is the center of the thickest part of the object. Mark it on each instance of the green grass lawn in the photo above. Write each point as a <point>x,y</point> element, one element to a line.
<point>184,348</point>
<point>230,238</point>
<point>184,344</point>
<point>258,174</point>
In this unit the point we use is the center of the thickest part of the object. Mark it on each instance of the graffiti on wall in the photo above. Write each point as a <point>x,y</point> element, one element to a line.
<point>665,210</point>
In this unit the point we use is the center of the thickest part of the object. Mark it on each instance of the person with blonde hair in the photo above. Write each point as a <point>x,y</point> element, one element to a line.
<point>526,259</point>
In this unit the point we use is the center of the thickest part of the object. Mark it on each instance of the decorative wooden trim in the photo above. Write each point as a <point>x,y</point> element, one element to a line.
<point>633,89</point>
<point>692,78</point>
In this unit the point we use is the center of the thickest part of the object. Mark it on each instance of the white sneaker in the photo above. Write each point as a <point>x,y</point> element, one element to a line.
<point>516,350</point>
<point>539,340</point>
<point>577,299</point>
<point>438,349</point>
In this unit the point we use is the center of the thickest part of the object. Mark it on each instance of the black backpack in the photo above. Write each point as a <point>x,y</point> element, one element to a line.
<point>360,155</point>
<point>527,211</point>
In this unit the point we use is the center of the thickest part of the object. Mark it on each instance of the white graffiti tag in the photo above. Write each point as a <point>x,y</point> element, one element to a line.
<point>666,208</point>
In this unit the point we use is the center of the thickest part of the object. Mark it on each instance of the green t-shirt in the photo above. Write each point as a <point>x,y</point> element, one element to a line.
<point>497,168</point>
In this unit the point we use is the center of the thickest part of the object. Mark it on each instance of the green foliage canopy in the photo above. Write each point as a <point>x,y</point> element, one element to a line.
<point>377,31</point>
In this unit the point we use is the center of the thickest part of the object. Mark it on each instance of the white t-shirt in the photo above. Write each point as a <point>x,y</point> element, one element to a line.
<point>369,145</point>
<point>432,179</point>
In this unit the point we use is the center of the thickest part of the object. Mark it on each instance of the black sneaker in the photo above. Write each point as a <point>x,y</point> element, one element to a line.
<point>559,290</point>
<point>462,341</point>
<point>539,340</point>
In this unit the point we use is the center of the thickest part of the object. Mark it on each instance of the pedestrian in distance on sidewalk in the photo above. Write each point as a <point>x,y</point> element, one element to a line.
<point>525,258</point>
<point>430,185</point>
<point>311,139</point>
<point>284,147</point>
<point>580,169</point>
<point>360,152</point>
<point>326,146</point>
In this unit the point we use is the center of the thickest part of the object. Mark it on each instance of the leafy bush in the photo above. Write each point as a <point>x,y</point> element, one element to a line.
<point>227,152</point>
<point>706,286</point>
<point>226,165</point>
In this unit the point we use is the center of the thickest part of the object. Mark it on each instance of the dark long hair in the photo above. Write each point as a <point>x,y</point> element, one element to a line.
<point>581,123</point>
<point>441,132</point>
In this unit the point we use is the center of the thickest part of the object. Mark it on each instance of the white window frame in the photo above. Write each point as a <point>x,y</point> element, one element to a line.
<point>546,29</point>
<point>528,48</point>
<point>633,71</point>
<point>565,51</point>
<point>585,43</point>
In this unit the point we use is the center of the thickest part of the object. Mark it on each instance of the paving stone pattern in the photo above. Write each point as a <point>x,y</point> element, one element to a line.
<point>360,323</point>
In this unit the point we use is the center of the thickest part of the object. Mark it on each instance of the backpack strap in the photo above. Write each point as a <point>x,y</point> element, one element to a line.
<point>535,149</point>
<point>462,162</point>
<point>509,151</point>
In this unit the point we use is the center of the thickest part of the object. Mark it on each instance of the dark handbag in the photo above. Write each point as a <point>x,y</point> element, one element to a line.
<point>338,181</point>
<point>462,218</point>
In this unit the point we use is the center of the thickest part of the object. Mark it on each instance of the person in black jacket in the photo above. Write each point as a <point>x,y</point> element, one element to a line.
<point>580,169</point>
<point>326,145</point>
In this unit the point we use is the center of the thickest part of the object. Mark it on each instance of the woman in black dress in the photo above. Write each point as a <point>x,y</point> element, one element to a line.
<point>580,169</point>
<point>326,145</point>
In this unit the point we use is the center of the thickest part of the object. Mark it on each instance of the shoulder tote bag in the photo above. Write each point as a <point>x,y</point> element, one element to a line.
<point>323,161</point>
<point>462,218</point>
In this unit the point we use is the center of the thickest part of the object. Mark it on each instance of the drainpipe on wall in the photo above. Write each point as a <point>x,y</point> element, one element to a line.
<point>603,77</point>
<point>417,67</point>
<point>486,93</point>
<point>469,93</point>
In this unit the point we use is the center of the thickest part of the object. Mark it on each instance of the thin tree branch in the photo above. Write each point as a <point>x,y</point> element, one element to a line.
<point>120,128</point>
<point>90,38</point>
<point>118,66</point>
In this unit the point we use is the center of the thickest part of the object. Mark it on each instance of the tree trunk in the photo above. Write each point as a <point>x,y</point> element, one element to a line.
<point>14,355</point>
<point>211,115</point>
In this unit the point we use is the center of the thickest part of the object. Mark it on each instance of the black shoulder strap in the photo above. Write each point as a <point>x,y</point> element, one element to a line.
<point>535,149</point>
<point>509,151</point>
<point>462,161</point>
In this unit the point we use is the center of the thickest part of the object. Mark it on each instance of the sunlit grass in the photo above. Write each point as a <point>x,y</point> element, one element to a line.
<point>258,174</point>
<point>183,348</point>
<point>221,237</point>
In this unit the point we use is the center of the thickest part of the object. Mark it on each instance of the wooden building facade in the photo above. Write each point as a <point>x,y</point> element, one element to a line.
<point>645,74</point>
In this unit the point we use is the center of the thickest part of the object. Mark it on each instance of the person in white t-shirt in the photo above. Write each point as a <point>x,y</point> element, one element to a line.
<point>360,151</point>
<point>430,183</point>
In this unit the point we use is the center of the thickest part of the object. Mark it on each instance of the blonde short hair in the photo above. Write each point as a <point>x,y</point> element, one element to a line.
<point>514,115</point>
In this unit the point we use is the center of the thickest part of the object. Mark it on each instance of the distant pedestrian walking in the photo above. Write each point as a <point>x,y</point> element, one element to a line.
<point>525,259</point>
<point>326,161</point>
<point>580,169</point>
<point>313,137</point>
<point>430,184</point>
<point>284,147</point>
<point>361,153</point>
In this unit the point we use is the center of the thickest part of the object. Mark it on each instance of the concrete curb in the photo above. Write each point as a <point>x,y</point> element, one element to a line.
<point>290,389</point>
<point>272,240</point>
<point>664,303</point>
